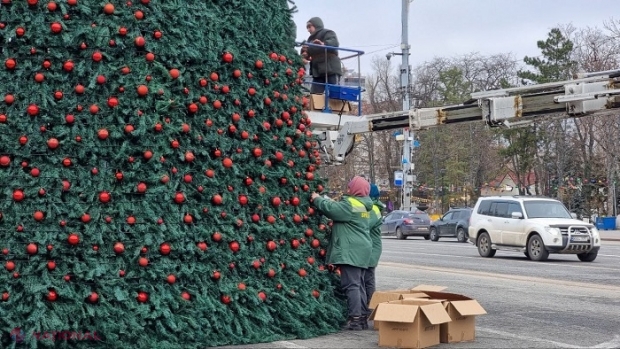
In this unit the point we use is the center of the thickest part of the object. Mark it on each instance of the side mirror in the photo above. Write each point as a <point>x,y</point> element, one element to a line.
<point>517,215</point>
<point>574,215</point>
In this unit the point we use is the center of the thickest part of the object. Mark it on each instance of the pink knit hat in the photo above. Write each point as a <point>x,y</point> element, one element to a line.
<point>358,186</point>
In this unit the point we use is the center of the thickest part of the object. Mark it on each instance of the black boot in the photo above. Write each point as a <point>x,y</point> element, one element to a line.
<point>356,323</point>
<point>364,322</point>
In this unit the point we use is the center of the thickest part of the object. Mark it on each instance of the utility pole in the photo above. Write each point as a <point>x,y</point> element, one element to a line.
<point>408,135</point>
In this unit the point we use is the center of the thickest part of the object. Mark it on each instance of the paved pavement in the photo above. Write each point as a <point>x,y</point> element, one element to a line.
<point>561,303</point>
<point>610,235</point>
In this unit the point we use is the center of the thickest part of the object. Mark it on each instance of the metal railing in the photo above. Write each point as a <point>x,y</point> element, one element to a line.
<point>345,93</point>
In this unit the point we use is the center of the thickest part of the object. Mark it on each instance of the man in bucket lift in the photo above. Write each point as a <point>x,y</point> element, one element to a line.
<point>325,65</point>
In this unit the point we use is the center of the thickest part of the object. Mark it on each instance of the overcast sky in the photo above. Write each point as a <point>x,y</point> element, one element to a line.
<point>449,28</point>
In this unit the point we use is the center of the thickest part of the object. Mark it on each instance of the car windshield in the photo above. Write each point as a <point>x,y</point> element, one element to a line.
<point>546,209</point>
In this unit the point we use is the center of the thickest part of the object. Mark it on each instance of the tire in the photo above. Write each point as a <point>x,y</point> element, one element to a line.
<point>426,237</point>
<point>527,254</point>
<point>399,234</point>
<point>536,249</point>
<point>484,245</point>
<point>461,236</point>
<point>433,235</point>
<point>587,257</point>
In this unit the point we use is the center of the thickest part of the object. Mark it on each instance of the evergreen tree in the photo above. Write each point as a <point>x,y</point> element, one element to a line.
<point>555,64</point>
<point>155,170</point>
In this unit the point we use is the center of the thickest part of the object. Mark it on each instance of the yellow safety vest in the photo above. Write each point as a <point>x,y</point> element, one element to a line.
<point>358,207</point>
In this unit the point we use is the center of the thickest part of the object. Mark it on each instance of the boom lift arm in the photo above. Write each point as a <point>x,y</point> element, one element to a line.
<point>512,107</point>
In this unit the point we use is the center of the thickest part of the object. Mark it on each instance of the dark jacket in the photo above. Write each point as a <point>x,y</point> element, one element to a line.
<point>323,61</point>
<point>349,241</point>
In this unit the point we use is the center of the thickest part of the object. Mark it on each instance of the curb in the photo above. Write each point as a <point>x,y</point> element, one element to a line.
<point>610,239</point>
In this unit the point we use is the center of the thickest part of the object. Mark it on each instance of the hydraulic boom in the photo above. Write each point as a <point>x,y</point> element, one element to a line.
<point>512,107</point>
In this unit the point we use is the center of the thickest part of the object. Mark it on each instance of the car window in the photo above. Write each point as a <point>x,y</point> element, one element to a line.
<point>465,214</point>
<point>448,216</point>
<point>501,210</point>
<point>459,214</point>
<point>513,207</point>
<point>546,209</point>
<point>389,216</point>
<point>398,215</point>
<point>485,207</point>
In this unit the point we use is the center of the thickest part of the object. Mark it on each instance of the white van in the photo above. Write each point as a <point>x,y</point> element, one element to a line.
<point>532,225</point>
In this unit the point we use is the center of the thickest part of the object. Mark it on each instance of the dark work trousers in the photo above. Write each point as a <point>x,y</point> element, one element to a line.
<point>317,88</point>
<point>369,287</point>
<point>352,283</point>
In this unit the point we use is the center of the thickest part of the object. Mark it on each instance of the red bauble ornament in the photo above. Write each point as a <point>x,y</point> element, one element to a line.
<point>32,248</point>
<point>52,296</point>
<point>188,219</point>
<point>179,198</point>
<point>10,266</point>
<point>73,239</point>
<point>189,156</point>
<point>56,27</point>
<point>97,56</point>
<point>38,216</point>
<point>142,297</point>
<point>217,237</point>
<point>165,248</point>
<point>139,41</point>
<point>141,187</point>
<point>119,248</point>
<point>93,297</point>
<point>105,197</point>
<point>217,199</point>
<point>234,246</point>
<point>18,195</point>
<point>271,246</point>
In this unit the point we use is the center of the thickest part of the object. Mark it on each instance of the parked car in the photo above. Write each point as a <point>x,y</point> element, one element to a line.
<point>453,224</point>
<point>532,225</point>
<point>406,223</point>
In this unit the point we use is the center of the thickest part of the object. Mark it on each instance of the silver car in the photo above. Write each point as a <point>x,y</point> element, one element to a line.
<point>405,223</point>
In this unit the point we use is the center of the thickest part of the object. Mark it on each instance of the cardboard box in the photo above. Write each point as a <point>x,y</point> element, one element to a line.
<point>317,102</point>
<point>462,311</point>
<point>409,323</point>
<point>393,295</point>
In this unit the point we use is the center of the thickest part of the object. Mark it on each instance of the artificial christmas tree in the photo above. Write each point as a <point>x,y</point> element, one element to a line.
<point>155,170</point>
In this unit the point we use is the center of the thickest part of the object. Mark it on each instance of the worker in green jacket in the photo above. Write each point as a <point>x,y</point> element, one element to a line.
<point>350,246</point>
<point>376,219</point>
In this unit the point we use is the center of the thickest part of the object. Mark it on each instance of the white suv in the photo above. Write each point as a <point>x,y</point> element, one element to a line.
<point>532,225</point>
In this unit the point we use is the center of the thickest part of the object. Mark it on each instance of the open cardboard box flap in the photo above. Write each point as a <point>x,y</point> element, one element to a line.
<point>462,304</point>
<point>468,307</point>
<point>406,311</point>
<point>385,296</point>
<point>433,288</point>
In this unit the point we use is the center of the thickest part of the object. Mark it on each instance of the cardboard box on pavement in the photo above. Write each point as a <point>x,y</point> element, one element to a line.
<point>409,323</point>
<point>462,311</point>
<point>393,295</point>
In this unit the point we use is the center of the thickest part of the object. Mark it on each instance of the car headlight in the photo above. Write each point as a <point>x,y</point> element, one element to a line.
<point>594,232</point>
<point>553,231</point>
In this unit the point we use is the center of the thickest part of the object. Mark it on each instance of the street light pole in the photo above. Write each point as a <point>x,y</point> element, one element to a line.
<point>404,84</point>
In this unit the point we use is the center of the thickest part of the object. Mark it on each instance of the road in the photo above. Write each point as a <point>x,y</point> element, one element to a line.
<point>561,303</point>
